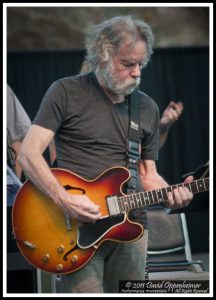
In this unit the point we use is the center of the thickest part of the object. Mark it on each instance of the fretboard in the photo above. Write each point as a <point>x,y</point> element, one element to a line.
<point>142,199</point>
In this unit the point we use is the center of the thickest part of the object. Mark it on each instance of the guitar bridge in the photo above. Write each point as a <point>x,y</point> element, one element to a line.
<point>68,222</point>
<point>113,205</point>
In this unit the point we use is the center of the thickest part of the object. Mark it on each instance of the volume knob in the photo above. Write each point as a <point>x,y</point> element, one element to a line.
<point>74,259</point>
<point>59,267</point>
<point>60,248</point>
<point>46,258</point>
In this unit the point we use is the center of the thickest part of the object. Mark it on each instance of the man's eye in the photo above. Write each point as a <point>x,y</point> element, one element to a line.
<point>127,65</point>
<point>131,65</point>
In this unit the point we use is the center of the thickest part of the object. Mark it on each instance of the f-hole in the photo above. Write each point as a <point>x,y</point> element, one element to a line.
<point>69,187</point>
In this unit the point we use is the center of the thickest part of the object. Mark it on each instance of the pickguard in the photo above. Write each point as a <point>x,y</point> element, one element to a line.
<point>89,234</point>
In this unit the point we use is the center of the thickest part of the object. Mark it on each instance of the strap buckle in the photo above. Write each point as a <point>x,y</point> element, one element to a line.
<point>133,148</point>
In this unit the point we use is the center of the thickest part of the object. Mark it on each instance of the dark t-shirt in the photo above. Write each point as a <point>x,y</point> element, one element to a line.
<point>90,131</point>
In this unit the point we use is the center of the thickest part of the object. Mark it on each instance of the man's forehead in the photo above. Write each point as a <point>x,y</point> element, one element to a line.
<point>132,51</point>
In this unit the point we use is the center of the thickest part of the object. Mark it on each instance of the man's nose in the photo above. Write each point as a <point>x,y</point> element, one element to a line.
<point>136,70</point>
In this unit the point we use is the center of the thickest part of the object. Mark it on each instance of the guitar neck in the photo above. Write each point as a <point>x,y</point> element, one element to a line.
<point>120,204</point>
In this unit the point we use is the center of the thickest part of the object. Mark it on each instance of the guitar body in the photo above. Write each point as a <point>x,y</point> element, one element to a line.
<point>50,240</point>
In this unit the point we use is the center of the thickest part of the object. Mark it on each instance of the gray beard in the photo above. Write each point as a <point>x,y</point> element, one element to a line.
<point>125,88</point>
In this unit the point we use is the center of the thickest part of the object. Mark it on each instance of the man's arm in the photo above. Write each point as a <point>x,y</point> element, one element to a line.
<point>150,179</point>
<point>52,151</point>
<point>37,169</point>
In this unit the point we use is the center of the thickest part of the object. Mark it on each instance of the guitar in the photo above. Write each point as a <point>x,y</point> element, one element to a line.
<point>50,240</point>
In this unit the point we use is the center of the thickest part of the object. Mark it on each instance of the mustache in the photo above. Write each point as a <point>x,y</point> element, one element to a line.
<point>133,81</point>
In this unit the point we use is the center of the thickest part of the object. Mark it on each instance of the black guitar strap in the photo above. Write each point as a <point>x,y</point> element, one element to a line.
<point>133,142</point>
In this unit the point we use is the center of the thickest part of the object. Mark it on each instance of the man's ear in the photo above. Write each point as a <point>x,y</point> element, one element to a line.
<point>105,50</point>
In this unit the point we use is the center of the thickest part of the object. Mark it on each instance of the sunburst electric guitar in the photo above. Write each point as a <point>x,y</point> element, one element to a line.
<point>50,240</point>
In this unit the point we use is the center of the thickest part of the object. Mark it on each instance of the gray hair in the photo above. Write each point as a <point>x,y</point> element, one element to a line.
<point>107,37</point>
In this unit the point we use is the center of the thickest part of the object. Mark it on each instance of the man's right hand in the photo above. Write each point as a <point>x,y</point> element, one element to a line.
<point>81,208</point>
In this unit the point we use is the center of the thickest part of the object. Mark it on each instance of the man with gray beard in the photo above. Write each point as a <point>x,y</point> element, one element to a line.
<point>88,115</point>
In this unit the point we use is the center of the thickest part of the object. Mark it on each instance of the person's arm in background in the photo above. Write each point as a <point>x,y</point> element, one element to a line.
<point>16,147</point>
<point>18,124</point>
<point>170,115</point>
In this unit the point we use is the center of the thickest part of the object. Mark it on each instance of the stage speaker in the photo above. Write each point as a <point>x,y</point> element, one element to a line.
<point>165,231</point>
<point>22,281</point>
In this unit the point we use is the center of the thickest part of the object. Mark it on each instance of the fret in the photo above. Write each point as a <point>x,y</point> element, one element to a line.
<point>207,181</point>
<point>181,185</point>
<point>138,200</point>
<point>197,185</point>
<point>152,196</point>
<point>189,186</point>
<point>164,192</point>
<point>204,183</point>
<point>173,187</point>
<point>193,187</point>
<point>128,202</point>
<point>132,203</point>
<point>147,198</point>
<point>169,189</point>
<point>143,199</point>
<point>159,196</point>
<point>201,185</point>
<point>135,200</point>
<point>123,203</point>
<point>151,200</point>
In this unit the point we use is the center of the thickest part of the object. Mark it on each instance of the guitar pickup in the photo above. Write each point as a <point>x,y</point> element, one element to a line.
<point>112,204</point>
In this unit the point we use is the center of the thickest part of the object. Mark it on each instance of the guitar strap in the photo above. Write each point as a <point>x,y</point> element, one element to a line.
<point>133,141</point>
